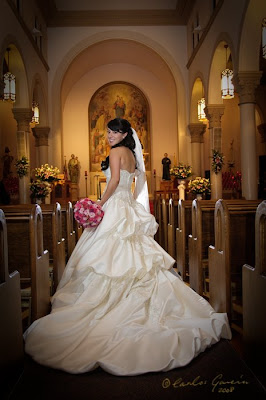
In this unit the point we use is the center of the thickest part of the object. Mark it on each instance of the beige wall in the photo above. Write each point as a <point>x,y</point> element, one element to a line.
<point>158,63</point>
<point>75,113</point>
<point>82,61</point>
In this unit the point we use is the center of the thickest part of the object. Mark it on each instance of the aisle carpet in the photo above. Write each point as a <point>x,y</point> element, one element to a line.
<point>218,373</point>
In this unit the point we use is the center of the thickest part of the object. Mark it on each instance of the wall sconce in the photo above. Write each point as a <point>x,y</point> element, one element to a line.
<point>36,113</point>
<point>10,83</point>
<point>227,87</point>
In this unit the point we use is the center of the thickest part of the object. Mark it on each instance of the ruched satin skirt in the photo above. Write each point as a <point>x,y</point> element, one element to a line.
<point>119,306</point>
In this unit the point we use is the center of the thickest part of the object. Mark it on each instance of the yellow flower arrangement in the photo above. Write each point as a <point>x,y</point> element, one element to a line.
<point>47,173</point>
<point>199,185</point>
<point>40,189</point>
<point>181,171</point>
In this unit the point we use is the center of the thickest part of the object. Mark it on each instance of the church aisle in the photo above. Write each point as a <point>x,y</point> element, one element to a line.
<point>217,373</point>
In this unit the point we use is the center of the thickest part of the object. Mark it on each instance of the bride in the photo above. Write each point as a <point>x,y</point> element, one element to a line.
<point>119,305</point>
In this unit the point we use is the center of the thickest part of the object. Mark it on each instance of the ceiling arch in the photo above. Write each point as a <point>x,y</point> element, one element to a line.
<point>115,51</point>
<point>109,48</point>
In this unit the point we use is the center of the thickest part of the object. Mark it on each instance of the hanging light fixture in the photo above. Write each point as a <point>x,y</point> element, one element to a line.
<point>201,112</point>
<point>227,87</point>
<point>263,43</point>
<point>9,82</point>
<point>36,113</point>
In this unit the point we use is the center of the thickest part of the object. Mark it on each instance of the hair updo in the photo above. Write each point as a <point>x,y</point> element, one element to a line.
<point>123,126</point>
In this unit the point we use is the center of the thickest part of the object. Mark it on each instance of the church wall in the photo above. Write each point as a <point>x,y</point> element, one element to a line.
<point>170,39</point>
<point>249,42</point>
<point>7,133</point>
<point>29,64</point>
<point>218,31</point>
<point>170,42</point>
<point>12,32</point>
<point>162,114</point>
<point>174,40</point>
<point>231,131</point>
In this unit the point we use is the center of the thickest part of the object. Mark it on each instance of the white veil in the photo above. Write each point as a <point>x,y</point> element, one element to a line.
<point>141,193</point>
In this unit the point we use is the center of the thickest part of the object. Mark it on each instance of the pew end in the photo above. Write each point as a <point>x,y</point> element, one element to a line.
<point>254,296</point>
<point>183,229</point>
<point>27,255</point>
<point>54,241</point>
<point>11,339</point>
<point>202,235</point>
<point>171,227</point>
<point>68,228</point>
<point>234,244</point>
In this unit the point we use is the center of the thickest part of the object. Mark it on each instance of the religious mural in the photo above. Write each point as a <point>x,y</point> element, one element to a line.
<point>117,100</point>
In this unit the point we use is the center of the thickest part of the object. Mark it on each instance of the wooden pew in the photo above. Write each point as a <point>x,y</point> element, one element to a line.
<point>171,227</point>
<point>11,339</point>
<point>183,229</point>
<point>161,213</point>
<point>202,235</point>
<point>77,228</point>
<point>234,245</point>
<point>68,228</point>
<point>201,238</point>
<point>53,241</point>
<point>26,254</point>
<point>161,216</point>
<point>254,296</point>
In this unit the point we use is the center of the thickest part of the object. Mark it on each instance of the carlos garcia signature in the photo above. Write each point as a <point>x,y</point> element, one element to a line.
<point>218,383</point>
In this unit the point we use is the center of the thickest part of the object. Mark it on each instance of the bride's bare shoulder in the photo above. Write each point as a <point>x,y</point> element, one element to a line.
<point>120,150</point>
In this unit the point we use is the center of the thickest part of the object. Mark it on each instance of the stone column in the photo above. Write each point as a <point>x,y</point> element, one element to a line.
<point>246,83</point>
<point>214,113</point>
<point>23,116</point>
<point>196,132</point>
<point>41,134</point>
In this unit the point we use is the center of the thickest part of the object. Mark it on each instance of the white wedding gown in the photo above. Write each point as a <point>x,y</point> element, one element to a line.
<point>118,306</point>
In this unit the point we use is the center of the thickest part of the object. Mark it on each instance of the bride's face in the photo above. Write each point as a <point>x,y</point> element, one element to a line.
<point>115,137</point>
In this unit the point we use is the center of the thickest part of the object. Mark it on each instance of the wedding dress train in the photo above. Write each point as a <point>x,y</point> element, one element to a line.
<point>119,306</point>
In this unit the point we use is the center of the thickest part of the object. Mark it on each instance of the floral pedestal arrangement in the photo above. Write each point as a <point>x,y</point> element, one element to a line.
<point>179,174</point>
<point>39,190</point>
<point>199,187</point>
<point>42,187</point>
<point>47,173</point>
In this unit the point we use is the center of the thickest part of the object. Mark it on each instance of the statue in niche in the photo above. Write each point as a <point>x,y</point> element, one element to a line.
<point>74,169</point>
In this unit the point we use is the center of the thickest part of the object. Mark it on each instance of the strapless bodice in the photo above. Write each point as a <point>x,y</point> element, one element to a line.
<point>126,179</point>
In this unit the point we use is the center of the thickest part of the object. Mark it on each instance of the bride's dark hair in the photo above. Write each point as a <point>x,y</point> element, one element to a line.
<point>123,126</point>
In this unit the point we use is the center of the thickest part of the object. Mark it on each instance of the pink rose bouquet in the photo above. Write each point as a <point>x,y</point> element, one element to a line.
<point>88,213</point>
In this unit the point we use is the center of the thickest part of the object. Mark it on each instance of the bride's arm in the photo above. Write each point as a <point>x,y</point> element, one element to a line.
<point>115,164</point>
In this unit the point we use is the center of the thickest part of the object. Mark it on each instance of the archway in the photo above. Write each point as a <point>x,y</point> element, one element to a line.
<point>142,54</point>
